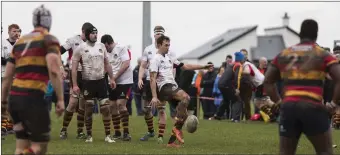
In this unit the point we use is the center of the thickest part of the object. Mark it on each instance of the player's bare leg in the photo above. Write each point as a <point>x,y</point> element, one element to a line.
<point>124,118</point>
<point>105,111</point>
<point>181,115</point>
<point>89,105</point>
<point>148,116</point>
<point>322,143</point>
<point>161,121</point>
<point>288,145</point>
<point>115,119</point>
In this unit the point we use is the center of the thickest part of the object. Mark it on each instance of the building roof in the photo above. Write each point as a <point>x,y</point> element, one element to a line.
<point>218,42</point>
<point>267,46</point>
<point>282,27</point>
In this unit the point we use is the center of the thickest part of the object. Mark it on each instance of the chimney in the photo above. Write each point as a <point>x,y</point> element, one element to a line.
<point>285,20</point>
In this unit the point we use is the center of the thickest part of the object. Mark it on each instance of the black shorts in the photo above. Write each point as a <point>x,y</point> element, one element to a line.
<point>302,117</point>
<point>147,95</point>
<point>34,115</point>
<point>79,80</point>
<point>122,91</point>
<point>167,92</point>
<point>94,89</point>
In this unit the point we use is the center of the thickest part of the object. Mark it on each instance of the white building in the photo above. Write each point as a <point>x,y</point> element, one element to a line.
<point>268,45</point>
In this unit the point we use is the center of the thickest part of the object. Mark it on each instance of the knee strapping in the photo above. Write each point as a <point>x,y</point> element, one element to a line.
<point>147,109</point>
<point>104,101</point>
<point>161,109</point>
<point>105,109</point>
<point>89,102</point>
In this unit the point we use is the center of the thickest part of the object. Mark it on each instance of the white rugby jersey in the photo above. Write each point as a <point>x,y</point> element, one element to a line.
<point>149,52</point>
<point>70,45</point>
<point>92,58</point>
<point>116,57</point>
<point>6,49</point>
<point>163,65</point>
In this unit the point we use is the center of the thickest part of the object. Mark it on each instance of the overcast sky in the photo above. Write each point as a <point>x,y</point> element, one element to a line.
<point>189,24</point>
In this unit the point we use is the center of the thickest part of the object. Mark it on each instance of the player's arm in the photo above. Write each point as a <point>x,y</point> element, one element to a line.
<point>8,77</point>
<point>67,46</point>
<point>75,62</point>
<point>272,76</point>
<point>143,65</point>
<point>107,64</point>
<point>126,58</point>
<point>53,60</point>
<point>178,64</point>
<point>333,68</point>
<point>153,75</point>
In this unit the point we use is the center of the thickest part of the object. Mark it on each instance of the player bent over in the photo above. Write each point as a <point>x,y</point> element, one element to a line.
<point>119,58</point>
<point>94,59</point>
<point>161,75</point>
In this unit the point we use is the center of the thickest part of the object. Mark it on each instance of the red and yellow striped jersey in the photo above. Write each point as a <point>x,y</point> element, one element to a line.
<point>29,56</point>
<point>303,68</point>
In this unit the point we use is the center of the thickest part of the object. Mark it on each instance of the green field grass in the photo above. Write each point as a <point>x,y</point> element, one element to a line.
<point>212,137</point>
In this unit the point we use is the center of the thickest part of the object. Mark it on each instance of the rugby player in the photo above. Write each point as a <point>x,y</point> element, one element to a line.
<point>303,68</point>
<point>7,45</point>
<point>119,57</point>
<point>75,100</point>
<point>148,54</point>
<point>93,58</point>
<point>161,75</point>
<point>35,58</point>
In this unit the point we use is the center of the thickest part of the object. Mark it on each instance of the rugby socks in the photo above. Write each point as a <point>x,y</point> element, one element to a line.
<point>107,122</point>
<point>178,125</point>
<point>4,119</point>
<point>125,121</point>
<point>9,125</point>
<point>149,122</point>
<point>67,119</point>
<point>88,118</point>
<point>80,120</point>
<point>161,128</point>
<point>116,124</point>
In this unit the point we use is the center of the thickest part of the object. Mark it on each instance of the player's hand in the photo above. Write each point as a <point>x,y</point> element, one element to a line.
<point>154,102</point>
<point>140,84</point>
<point>207,66</point>
<point>60,108</point>
<point>113,83</point>
<point>63,74</point>
<point>332,107</point>
<point>76,89</point>
<point>237,92</point>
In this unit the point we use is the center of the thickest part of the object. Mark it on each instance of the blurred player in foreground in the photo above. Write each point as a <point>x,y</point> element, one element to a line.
<point>34,60</point>
<point>303,68</point>
<point>161,75</point>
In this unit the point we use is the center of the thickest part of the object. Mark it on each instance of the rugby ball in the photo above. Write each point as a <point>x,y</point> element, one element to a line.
<point>191,123</point>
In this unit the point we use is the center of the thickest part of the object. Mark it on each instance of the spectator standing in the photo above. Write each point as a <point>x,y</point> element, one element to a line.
<point>208,84</point>
<point>216,92</point>
<point>137,93</point>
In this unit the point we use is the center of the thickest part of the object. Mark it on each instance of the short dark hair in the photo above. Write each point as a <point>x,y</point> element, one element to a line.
<point>86,25</point>
<point>210,63</point>
<point>336,48</point>
<point>244,50</point>
<point>15,26</point>
<point>309,29</point>
<point>161,39</point>
<point>229,56</point>
<point>107,39</point>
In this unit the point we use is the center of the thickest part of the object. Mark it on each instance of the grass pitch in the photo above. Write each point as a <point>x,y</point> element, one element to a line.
<point>212,137</point>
